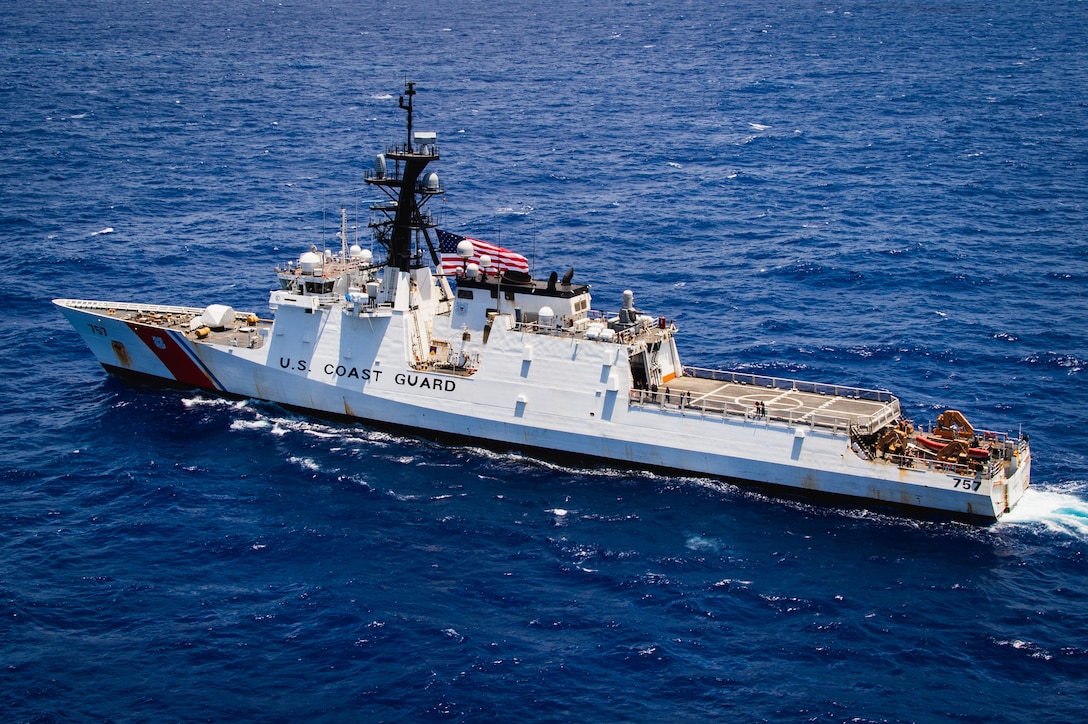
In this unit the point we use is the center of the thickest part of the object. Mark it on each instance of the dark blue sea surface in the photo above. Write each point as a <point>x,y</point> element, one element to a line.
<point>883,194</point>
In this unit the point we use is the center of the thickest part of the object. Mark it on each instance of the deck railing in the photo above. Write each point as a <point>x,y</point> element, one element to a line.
<point>131,307</point>
<point>992,470</point>
<point>784,383</point>
<point>726,406</point>
<point>718,405</point>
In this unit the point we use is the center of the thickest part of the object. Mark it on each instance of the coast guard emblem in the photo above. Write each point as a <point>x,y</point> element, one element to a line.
<point>159,343</point>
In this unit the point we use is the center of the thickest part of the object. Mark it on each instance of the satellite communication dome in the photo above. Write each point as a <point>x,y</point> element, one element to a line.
<point>218,316</point>
<point>309,261</point>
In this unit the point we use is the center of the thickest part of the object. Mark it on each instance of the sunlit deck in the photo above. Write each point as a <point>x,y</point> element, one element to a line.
<point>772,398</point>
<point>244,330</point>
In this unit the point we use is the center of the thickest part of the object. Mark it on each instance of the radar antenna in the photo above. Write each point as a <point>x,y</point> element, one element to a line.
<point>409,90</point>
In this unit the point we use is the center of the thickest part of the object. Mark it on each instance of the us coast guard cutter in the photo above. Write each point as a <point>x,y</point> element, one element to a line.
<point>509,361</point>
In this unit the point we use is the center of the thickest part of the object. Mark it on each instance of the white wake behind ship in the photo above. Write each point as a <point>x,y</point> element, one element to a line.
<point>507,361</point>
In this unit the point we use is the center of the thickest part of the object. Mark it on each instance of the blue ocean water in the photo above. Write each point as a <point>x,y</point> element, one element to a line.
<point>879,194</point>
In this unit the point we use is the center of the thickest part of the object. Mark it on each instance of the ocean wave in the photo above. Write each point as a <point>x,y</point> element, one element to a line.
<point>250,425</point>
<point>306,463</point>
<point>1031,649</point>
<point>1062,511</point>
<point>1070,363</point>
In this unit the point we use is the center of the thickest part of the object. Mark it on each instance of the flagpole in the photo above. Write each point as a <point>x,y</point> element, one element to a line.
<point>498,270</point>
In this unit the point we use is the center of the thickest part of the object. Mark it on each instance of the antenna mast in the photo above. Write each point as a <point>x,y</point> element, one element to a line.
<point>410,90</point>
<point>407,190</point>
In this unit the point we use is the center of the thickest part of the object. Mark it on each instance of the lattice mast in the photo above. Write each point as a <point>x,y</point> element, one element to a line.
<point>404,225</point>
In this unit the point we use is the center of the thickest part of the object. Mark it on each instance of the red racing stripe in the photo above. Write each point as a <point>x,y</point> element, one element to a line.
<point>182,366</point>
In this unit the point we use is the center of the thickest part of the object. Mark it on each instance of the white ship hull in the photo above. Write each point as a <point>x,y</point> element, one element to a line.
<point>561,396</point>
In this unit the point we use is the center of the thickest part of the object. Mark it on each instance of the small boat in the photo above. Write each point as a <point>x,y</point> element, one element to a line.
<point>940,444</point>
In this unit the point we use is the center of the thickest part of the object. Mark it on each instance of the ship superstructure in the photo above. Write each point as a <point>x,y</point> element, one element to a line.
<point>502,359</point>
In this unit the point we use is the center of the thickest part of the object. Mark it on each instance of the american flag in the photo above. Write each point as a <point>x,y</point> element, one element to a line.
<point>501,259</point>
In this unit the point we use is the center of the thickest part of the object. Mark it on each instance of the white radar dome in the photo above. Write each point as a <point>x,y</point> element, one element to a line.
<point>465,249</point>
<point>218,316</point>
<point>309,261</point>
